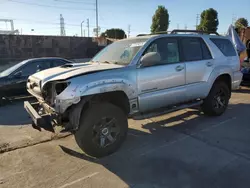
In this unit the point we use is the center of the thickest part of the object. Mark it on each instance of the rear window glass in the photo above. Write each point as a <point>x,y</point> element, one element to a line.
<point>225,46</point>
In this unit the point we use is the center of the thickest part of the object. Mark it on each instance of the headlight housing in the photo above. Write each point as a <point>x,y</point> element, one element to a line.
<point>61,86</point>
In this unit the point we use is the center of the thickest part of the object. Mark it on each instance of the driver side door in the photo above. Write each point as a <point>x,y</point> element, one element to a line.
<point>162,84</point>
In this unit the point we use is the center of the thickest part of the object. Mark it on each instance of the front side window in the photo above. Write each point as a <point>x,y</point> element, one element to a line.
<point>225,46</point>
<point>34,67</point>
<point>58,62</point>
<point>167,48</point>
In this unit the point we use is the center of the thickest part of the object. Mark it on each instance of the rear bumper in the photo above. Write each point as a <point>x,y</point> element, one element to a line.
<point>40,119</point>
<point>237,78</point>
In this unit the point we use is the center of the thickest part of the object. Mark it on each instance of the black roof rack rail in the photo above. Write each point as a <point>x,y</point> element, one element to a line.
<point>193,31</point>
<point>175,31</point>
<point>156,33</point>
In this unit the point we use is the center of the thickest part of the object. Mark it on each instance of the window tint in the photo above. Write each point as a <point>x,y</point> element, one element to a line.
<point>57,63</point>
<point>205,51</point>
<point>34,67</point>
<point>192,50</point>
<point>225,46</point>
<point>167,48</point>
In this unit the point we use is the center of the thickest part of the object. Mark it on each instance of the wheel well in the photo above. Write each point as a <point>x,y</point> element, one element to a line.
<point>118,98</point>
<point>225,78</point>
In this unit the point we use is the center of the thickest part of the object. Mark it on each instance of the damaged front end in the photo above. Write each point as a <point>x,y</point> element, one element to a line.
<point>53,102</point>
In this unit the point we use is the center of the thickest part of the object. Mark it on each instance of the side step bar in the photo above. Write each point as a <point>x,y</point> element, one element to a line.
<point>163,111</point>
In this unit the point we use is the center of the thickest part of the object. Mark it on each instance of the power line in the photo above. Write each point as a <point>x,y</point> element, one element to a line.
<point>48,6</point>
<point>80,2</point>
<point>50,23</point>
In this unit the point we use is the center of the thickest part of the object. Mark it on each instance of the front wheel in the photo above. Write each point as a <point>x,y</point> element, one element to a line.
<point>103,128</point>
<point>217,101</point>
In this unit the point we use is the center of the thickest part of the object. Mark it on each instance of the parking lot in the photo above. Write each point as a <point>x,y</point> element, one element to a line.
<point>181,149</point>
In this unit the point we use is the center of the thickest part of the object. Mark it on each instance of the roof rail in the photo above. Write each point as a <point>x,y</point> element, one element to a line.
<point>175,31</point>
<point>156,33</point>
<point>193,31</point>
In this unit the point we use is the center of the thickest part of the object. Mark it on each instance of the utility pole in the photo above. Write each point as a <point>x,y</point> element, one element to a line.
<point>197,20</point>
<point>128,30</point>
<point>177,26</point>
<point>84,32</point>
<point>96,9</point>
<point>81,27</point>
<point>88,26</point>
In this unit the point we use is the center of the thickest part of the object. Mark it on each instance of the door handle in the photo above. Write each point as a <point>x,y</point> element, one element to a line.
<point>209,64</point>
<point>179,68</point>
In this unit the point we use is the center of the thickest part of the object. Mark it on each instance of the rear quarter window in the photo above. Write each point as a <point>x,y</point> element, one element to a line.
<point>225,46</point>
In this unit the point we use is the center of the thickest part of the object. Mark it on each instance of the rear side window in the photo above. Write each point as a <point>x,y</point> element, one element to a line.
<point>195,49</point>
<point>191,48</point>
<point>225,46</point>
<point>205,51</point>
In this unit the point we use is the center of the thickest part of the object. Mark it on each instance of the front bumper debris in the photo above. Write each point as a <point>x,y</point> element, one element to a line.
<point>41,119</point>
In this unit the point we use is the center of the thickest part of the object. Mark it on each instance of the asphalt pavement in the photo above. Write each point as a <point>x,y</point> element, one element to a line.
<point>182,149</point>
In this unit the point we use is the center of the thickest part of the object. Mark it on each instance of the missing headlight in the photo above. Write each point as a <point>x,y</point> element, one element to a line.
<point>60,87</point>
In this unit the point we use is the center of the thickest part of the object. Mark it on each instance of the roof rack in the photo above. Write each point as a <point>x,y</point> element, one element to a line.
<point>157,33</point>
<point>175,31</point>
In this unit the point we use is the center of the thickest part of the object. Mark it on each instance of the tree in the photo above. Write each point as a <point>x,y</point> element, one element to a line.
<point>160,20</point>
<point>241,23</point>
<point>209,20</point>
<point>114,33</point>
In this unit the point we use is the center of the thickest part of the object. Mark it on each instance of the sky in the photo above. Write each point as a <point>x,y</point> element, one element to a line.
<point>43,17</point>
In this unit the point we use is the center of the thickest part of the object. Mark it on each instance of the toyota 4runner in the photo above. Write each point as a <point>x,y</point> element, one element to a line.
<point>139,78</point>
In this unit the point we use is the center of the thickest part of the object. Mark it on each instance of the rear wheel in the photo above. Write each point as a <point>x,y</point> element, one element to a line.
<point>103,128</point>
<point>217,101</point>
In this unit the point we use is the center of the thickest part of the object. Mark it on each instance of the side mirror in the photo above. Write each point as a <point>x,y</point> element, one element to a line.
<point>18,74</point>
<point>150,59</point>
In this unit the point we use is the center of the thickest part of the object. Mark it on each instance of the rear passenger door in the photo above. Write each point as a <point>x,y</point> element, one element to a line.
<point>199,65</point>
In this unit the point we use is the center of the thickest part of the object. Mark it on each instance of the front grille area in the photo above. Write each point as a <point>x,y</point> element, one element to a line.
<point>33,85</point>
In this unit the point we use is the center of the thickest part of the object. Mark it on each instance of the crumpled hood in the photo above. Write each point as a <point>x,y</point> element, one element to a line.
<point>70,70</point>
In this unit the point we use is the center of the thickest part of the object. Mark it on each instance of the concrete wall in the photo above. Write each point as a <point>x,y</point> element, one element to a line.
<point>15,48</point>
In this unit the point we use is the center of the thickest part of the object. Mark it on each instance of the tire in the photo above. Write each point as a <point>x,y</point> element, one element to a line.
<point>98,123</point>
<point>213,106</point>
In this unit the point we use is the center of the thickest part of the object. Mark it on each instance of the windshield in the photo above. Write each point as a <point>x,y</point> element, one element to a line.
<point>8,71</point>
<point>120,52</point>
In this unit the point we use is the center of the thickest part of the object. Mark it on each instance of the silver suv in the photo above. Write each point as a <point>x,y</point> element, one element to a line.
<point>139,78</point>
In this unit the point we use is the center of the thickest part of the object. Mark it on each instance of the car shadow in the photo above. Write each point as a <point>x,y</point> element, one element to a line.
<point>13,114</point>
<point>159,154</point>
<point>245,89</point>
